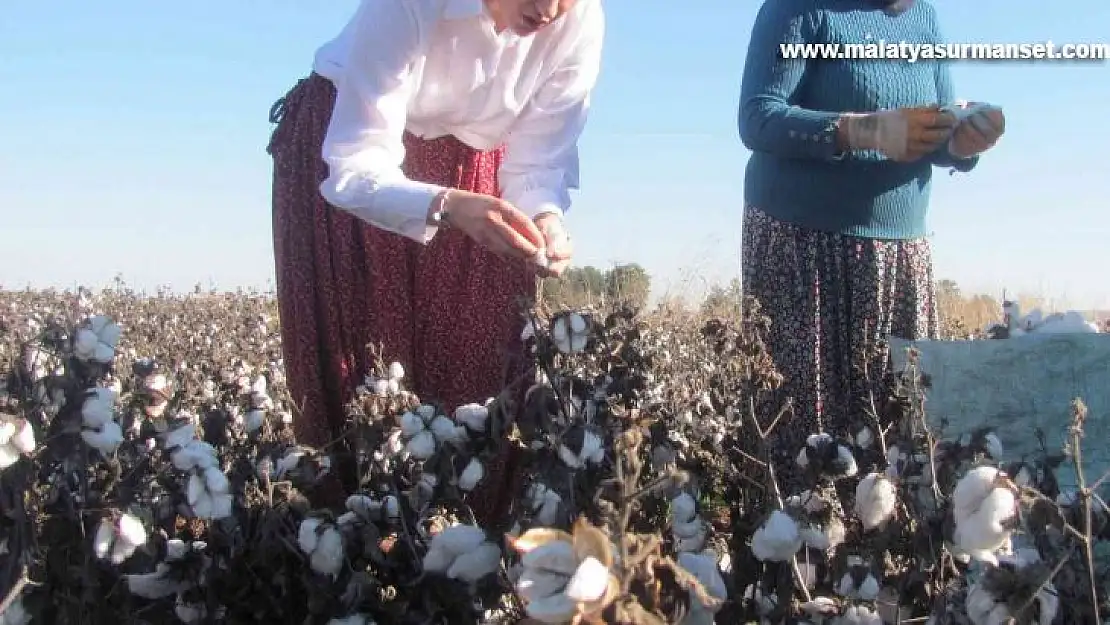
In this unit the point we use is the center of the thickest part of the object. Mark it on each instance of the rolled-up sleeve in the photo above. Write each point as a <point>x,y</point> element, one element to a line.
<point>364,147</point>
<point>541,162</point>
<point>769,119</point>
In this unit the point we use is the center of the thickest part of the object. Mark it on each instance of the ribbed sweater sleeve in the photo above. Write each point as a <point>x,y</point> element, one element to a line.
<point>768,120</point>
<point>947,97</point>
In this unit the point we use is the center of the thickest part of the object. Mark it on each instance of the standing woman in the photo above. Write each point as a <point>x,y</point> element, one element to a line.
<point>423,114</point>
<point>836,194</point>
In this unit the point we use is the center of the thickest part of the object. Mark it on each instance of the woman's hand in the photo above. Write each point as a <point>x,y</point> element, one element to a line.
<point>978,132</point>
<point>904,135</point>
<point>494,223</point>
<point>557,244</point>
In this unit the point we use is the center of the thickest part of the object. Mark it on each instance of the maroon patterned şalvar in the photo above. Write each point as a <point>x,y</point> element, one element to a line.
<point>448,311</point>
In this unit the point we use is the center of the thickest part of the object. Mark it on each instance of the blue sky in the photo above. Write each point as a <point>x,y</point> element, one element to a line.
<point>132,138</point>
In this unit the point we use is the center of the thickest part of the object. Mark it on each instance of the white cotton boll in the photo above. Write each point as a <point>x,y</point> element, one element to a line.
<point>259,386</point>
<point>103,539</point>
<point>84,344</point>
<point>473,416</point>
<point>98,408</point>
<point>876,500</point>
<point>691,536</point>
<point>972,489</point>
<point>131,530</point>
<point>859,615</point>
<point>444,430</point>
<point>984,531</point>
<point>536,583</point>
<point>556,556</point>
<point>593,448</point>
<point>422,446</point>
<point>437,560</point>
<point>529,331</point>
<point>577,323</point>
<point>589,581</point>
<point>427,412</point>
<point>307,535</point>
<point>475,564</point>
<point>869,589</point>
<point>8,456</point>
<point>106,440</point>
<point>556,609</point>
<point>471,475</point>
<point>396,371</point>
<point>155,585</point>
<point>570,458</point>
<point>106,331</point>
<point>7,431</point>
<point>393,387</point>
<point>181,436</point>
<point>411,425</point>
<point>197,455</point>
<point>24,439</point>
<point>327,558</point>
<point>364,506</point>
<point>121,551</point>
<point>216,481</point>
<point>704,567</point>
<point>847,460</point>
<point>683,508</point>
<point>459,539</point>
<point>381,387</point>
<point>778,539</point>
<point>253,421</point>
<point>104,354</point>
<point>865,438</point>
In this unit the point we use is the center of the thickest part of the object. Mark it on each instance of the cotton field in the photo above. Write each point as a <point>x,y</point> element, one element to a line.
<point>149,474</point>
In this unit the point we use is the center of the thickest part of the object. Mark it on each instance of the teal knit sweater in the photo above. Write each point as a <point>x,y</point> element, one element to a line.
<point>788,110</point>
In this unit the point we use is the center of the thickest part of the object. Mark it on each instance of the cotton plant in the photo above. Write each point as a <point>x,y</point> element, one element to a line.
<point>582,446</point>
<point>859,581</point>
<point>207,489</point>
<point>117,539</point>
<point>97,341</point>
<point>565,576</point>
<point>688,529</point>
<point>570,332</point>
<point>876,500</point>
<point>322,543</point>
<point>165,581</point>
<point>544,503</point>
<point>826,457</point>
<point>778,538</point>
<point>985,510</point>
<point>704,567</point>
<point>462,552</point>
<point>99,428</point>
<point>17,438</point>
<point>1018,581</point>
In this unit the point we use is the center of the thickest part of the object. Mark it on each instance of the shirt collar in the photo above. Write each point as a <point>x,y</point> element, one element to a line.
<point>464,9</point>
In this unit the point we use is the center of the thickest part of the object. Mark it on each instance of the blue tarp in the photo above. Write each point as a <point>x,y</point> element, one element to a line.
<point>1016,385</point>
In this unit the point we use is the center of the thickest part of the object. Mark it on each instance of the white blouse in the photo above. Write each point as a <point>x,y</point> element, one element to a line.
<point>437,67</point>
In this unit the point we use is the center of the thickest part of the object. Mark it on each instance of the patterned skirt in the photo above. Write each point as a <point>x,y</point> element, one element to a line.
<point>833,301</point>
<point>449,311</point>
